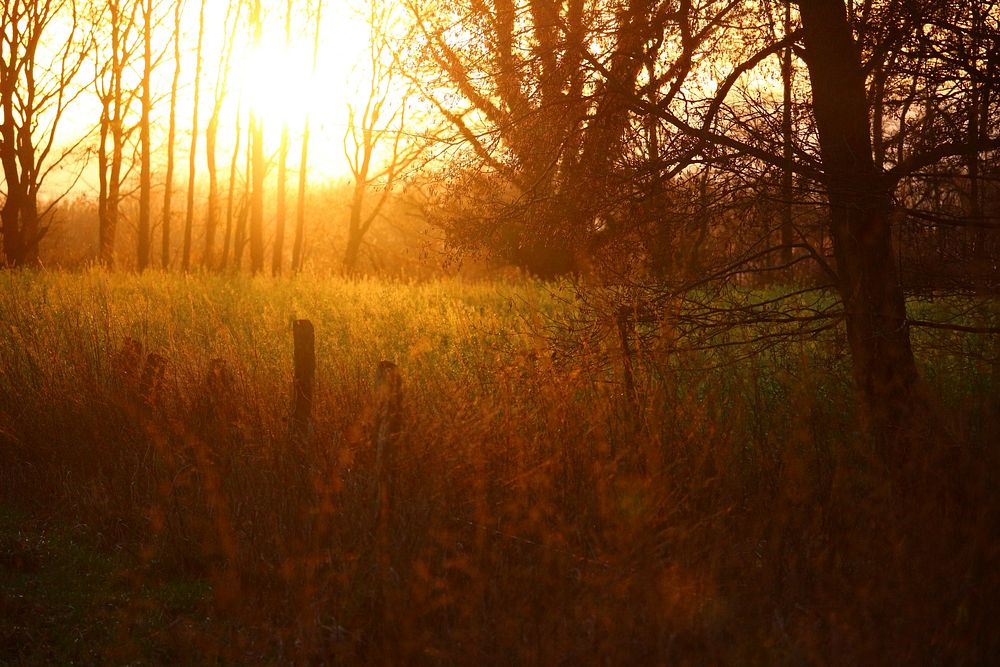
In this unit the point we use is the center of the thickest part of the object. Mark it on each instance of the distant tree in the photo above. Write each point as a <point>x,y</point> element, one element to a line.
<point>193,153</point>
<point>381,142</point>
<point>300,216</point>
<point>257,167</point>
<point>116,42</point>
<point>212,130</point>
<point>40,57</point>
<point>281,208</point>
<point>149,24</point>
<point>168,188</point>
<point>231,191</point>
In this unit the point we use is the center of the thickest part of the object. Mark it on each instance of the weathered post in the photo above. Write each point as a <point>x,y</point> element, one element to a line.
<point>304,377</point>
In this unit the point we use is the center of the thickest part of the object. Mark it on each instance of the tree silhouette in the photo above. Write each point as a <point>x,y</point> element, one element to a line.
<point>36,87</point>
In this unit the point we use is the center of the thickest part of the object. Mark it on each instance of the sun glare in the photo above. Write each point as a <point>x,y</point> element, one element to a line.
<point>279,83</point>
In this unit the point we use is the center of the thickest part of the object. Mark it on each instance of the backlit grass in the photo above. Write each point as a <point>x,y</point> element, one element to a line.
<point>733,514</point>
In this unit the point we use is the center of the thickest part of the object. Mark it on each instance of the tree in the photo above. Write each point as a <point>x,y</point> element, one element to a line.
<point>40,57</point>
<point>257,166</point>
<point>860,199</point>
<point>193,154</point>
<point>145,147</point>
<point>231,193</point>
<point>281,212</point>
<point>518,113</point>
<point>116,93</point>
<point>697,73</point>
<point>168,189</point>
<point>300,215</point>
<point>379,125</point>
<point>212,131</point>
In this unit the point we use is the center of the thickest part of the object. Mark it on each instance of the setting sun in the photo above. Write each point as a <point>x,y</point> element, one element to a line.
<point>278,81</point>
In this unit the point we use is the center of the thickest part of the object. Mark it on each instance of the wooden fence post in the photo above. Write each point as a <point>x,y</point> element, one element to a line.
<point>304,377</point>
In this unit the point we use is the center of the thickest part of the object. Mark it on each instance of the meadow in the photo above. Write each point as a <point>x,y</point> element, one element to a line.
<point>731,513</point>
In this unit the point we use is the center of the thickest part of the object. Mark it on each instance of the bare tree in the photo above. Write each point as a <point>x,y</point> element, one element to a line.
<point>300,216</point>
<point>281,212</point>
<point>40,57</point>
<point>231,194</point>
<point>193,154</point>
<point>257,167</point>
<point>145,148</point>
<point>379,124</point>
<point>171,137</point>
<point>117,92</point>
<point>212,131</point>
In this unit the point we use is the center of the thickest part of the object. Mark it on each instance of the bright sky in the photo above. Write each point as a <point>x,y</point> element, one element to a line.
<point>276,78</point>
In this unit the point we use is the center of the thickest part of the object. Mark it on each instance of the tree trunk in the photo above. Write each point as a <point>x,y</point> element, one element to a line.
<point>105,245</point>
<point>211,135</point>
<point>144,140</point>
<point>212,214</point>
<point>241,222</point>
<point>278,251</point>
<point>31,232</point>
<point>300,215</point>
<point>192,162</point>
<point>300,212</point>
<point>860,198</point>
<point>171,138</point>
<point>10,215</point>
<point>257,195</point>
<point>13,248</point>
<point>355,231</point>
<point>227,241</point>
<point>281,213</point>
<point>112,127</point>
<point>257,168</point>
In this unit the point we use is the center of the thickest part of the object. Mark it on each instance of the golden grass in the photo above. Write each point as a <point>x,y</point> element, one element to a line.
<point>740,519</point>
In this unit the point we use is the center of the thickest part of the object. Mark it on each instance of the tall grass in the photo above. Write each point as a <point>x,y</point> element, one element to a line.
<point>736,515</point>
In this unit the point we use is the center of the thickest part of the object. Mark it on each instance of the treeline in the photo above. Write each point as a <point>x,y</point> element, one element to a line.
<point>139,97</point>
<point>692,149</point>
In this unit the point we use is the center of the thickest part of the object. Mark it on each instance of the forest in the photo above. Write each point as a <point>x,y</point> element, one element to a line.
<point>499,331</point>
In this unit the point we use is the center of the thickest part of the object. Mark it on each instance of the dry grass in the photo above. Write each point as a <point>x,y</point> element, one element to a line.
<point>740,519</point>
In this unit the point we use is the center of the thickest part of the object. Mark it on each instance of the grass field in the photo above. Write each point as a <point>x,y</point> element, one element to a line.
<point>735,516</point>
